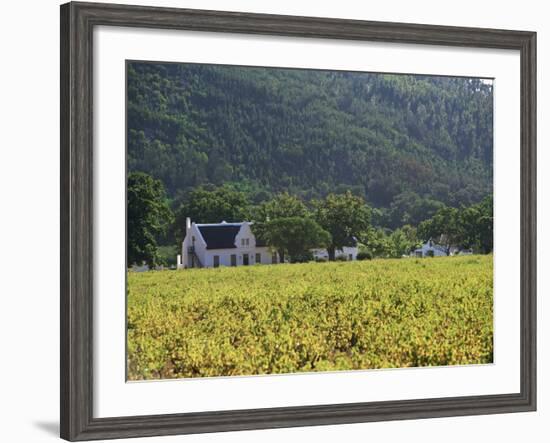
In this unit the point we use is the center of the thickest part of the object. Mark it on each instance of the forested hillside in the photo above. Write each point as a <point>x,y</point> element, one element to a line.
<point>406,144</point>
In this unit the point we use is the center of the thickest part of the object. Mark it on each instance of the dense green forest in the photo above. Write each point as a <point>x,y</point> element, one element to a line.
<point>408,145</point>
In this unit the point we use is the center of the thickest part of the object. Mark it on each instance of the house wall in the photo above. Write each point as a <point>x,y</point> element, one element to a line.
<point>200,246</point>
<point>245,243</point>
<point>184,263</point>
<point>268,255</point>
<point>350,250</point>
<point>245,233</point>
<point>436,252</point>
<point>323,253</point>
<point>206,256</point>
<point>245,236</point>
<point>225,256</point>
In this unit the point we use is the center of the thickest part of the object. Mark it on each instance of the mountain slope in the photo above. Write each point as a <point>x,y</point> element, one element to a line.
<point>311,132</point>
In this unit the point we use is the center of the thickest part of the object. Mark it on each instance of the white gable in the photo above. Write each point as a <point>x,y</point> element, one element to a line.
<point>245,238</point>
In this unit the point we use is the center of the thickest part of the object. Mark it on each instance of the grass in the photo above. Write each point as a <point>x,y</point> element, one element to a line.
<point>310,317</point>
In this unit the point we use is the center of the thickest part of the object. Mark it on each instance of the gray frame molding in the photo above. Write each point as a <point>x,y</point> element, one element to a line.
<point>77,23</point>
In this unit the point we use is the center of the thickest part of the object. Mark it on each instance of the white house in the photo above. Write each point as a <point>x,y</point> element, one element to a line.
<point>222,244</point>
<point>431,249</point>
<point>349,251</point>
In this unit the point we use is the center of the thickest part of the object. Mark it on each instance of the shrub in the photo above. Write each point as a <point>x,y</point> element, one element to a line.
<point>302,258</point>
<point>364,255</point>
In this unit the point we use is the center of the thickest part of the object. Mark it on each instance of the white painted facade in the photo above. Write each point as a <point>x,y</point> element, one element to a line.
<point>243,251</point>
<point>348,252</point>
<point>430,249</point>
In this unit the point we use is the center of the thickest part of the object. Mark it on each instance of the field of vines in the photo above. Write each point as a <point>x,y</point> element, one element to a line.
<point>269,319</point>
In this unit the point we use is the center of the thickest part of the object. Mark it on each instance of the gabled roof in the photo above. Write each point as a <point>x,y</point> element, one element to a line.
<point>219,235</point>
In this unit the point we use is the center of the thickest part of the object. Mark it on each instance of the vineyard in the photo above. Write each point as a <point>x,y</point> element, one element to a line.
<point>310,317</point>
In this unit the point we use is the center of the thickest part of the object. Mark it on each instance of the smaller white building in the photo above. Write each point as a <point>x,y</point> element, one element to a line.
<point>431,249</point>
<point>348,252</point>
<point>210,245</point>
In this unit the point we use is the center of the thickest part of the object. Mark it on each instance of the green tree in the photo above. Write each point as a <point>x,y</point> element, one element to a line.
<point>477,226</point>
<point>295,236</point>
<point>444,227</point>
<point>314,132</point>
<point>383,243</point>
<point>467,227</point>
<point>283,205</point>
<point>409,208</point>
<point>485,225</point>
<point>377,243</point>
<point>343,216</point>
<point>399,244</point>
<point>148,217</point>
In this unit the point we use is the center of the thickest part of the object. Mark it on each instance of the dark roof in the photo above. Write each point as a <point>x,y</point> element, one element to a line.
<point>220,236</point>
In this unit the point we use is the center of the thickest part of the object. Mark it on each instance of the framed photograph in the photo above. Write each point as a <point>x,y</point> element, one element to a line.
<point>273,221</point>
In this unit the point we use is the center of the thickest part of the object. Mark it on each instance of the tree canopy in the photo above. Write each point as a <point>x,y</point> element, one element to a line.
<point>148,216</point>
<point>282,205</point>
<point>390,159</point>
<point>405,143</point>
<point>468,227</point>
<point>295,236</point>
<point>344,216</point>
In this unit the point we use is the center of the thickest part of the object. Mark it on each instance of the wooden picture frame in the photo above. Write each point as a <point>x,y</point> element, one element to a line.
<point>77,23</point>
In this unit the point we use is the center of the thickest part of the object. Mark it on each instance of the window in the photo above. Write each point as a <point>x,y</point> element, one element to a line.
<point>242,241</point>
<point>350,257</point>
<point>233,260</point>
<point>216,261</point>
<point>245,259</point>
<point>258,258</point>
<point>247,241</point>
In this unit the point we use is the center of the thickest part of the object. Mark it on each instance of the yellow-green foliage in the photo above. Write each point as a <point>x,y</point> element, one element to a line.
<point>310,317</point>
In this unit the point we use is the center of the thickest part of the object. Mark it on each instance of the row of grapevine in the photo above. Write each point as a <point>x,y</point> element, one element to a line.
<point>310,317</point>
